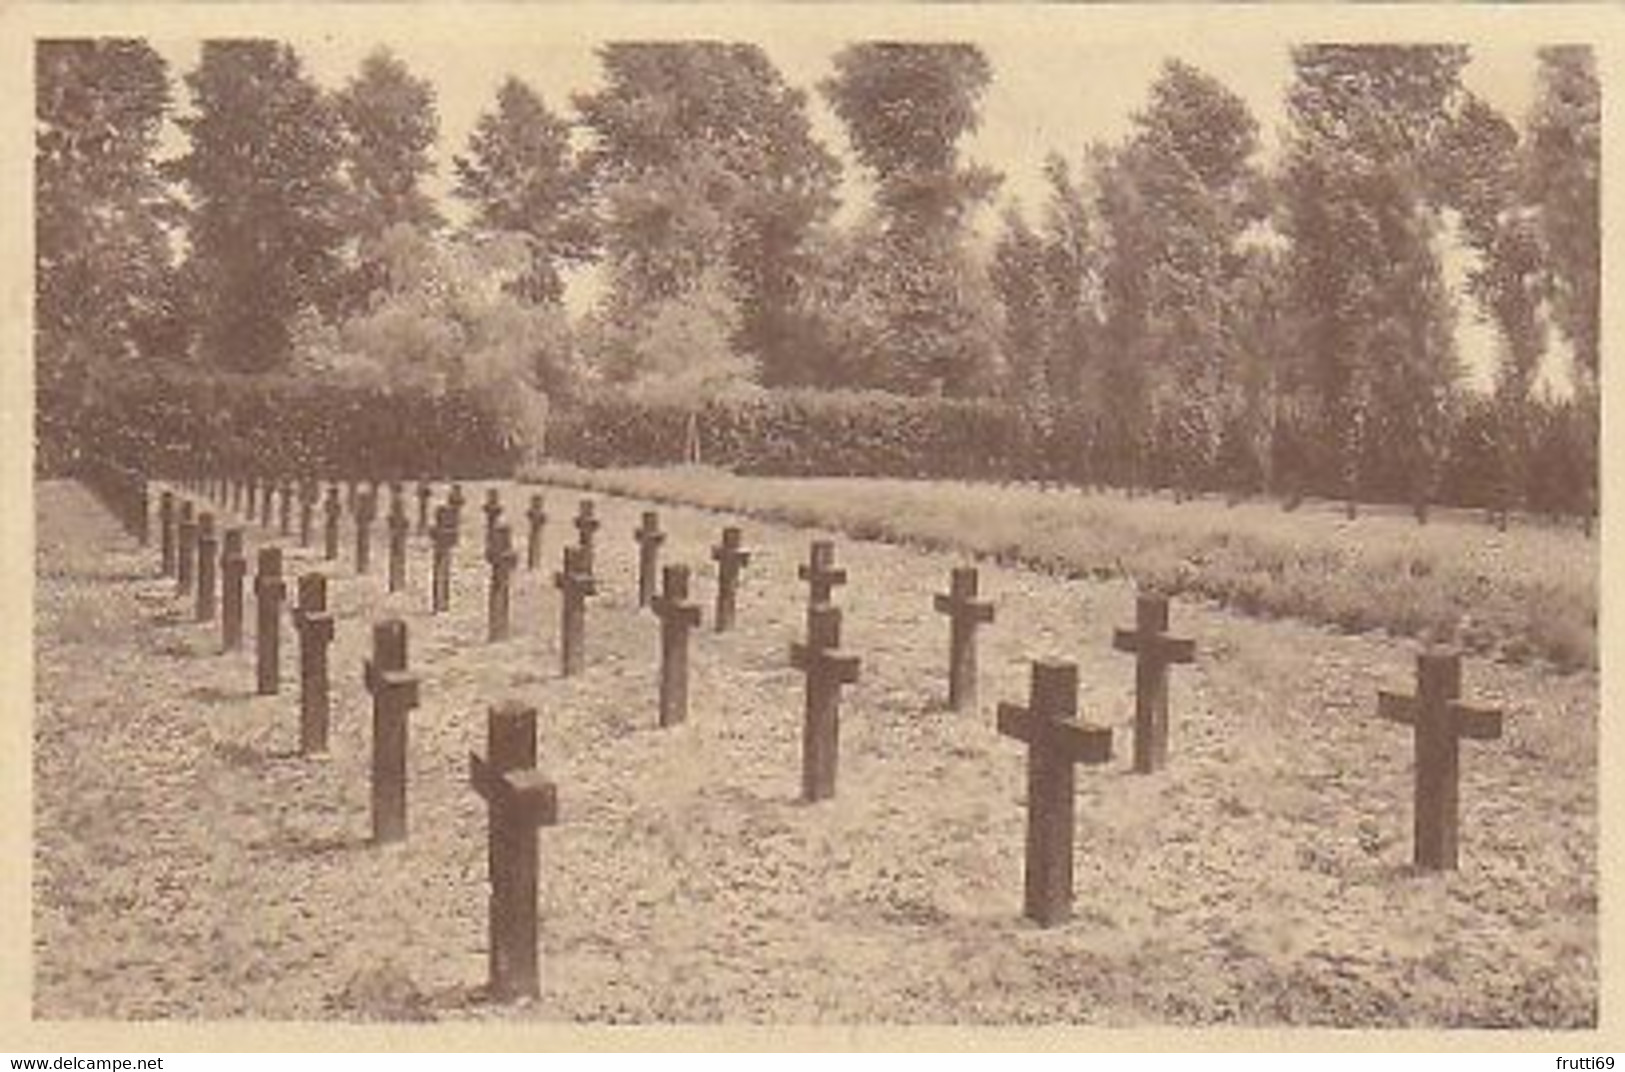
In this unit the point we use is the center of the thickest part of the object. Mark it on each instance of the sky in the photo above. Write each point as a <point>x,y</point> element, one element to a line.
<point>1054,90</point>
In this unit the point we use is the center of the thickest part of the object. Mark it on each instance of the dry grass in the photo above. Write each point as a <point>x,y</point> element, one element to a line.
<point>1529,593</point>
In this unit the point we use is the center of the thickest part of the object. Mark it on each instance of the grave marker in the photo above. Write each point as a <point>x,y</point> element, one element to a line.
<point>575,583</point>
<point>166,534</point>
<point>827,668</point>
<point>314,624</point>
<point>455,500</point>
<point>207,548</point>
<point>232,567</point>
<point>1440,721</point>
<point>499,553</point>
<point>330,531</point>
<point>366,508</point>
<point>965,612</point>
<point>533,542</point>
<point>186,549</point>
<point>399,527</point>
<point>730,558</point>
<point>307,505</point>
<point>394,694</point>
<point>425,493</point>
<point>587,525</point>
<point>493,514</point>
<point>284,521</point>
<point>1155,651</point>
<point>444,539</point>
<point>820,573</point>
<point>269,592</point>
<point>649,538</point>
<point>678,618</point>
<point>1055,741</point>
<point>520,801</point>
<point>266,504</point>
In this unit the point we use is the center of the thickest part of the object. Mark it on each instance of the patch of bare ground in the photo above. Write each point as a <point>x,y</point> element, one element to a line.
<point>189,864</point>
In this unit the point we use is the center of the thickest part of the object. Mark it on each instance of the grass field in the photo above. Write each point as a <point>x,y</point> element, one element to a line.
<point>1528,593</point>
<point>188,863</point>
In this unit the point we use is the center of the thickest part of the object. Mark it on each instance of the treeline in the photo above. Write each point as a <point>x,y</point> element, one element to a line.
<point>1179,309</point>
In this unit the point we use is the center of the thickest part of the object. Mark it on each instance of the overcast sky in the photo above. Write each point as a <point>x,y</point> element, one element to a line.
<point>1051,91</point>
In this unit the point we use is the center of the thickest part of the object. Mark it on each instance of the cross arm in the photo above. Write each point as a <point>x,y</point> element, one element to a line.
<point>1393,707</point>
<point>833,576</point>
<point>670,612</point>
<point>979,611</point>
<point>402,683</point>
<point>1476,723</point>
<point>314,625</point>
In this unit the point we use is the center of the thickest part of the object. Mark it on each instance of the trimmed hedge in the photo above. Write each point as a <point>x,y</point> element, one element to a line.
<point>795,433</point>
<point>173,424</point>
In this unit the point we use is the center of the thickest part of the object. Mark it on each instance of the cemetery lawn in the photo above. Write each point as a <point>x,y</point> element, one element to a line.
<point>189,864</point>
<point>1528,593</point>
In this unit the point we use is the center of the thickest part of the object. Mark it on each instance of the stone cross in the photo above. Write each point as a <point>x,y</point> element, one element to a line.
<point>1440,721</point>
<point>208,547</point>
<point>587,525</point>
<point>444,538</point>
<point>314,624</point>
<point>284,521</point>
<point>678,618</point>
<point>269,592</point>
<point>394,694</point>
<point>366,508</point>
<point>1155,651</point>
<point>537,517</point>
<point>232,567</point>
<point>330,532</point>
<point>425,493</point>
<point>251,499</point>
<point>730,558</point>
<point>307,503</point>
<point>649,538</point>
<point>267,505</point>
<point>186,549</point>
<point>827,668</point>
<point>493,513</point>
<point>455,500</point>
<point>499,553</point>
<point>520,801</point>
<point>1055,741</point>
<point>575,583</point>
<point>349,496</point>
<point>965,612</point>
<point>166,533</point>
<point>237,495</point>
<point>820,573</point>
<point>399,527</point>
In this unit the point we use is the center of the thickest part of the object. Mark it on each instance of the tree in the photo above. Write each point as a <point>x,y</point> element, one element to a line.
<point>521,178</point>
<point>390,125</point>
<point>266,202</point>
<point>905,107</point>
<point>707,169</point>
<point>103,281</point>
<point>1361,210</point>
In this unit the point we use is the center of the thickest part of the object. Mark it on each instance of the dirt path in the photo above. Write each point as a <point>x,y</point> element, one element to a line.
<point>188,864</point>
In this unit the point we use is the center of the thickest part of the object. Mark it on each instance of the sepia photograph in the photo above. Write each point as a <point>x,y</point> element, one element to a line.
<point>837,517</point>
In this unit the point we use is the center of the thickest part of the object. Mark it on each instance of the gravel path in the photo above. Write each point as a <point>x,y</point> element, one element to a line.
<point>189,864</point>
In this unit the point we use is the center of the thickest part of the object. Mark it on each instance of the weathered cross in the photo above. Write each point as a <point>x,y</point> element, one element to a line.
<point>232,568</point>
<point>965,612</point>
<point>267,504</point>
<point>499,553</point>
<point>269,592</point>
<point>444,538</point>
<point>493,514</point>
<point>366,509</point>
<point>537,517</point>
<point>425,493</point>
<point>399,527</point>
<point>251,499</point>
<point>649,538</point>
<point>827,668</point>
<point>284,519</point>
<point>330,532</point>
<point>185,549</point>
<point>166,533</point>
<point>314,624</point>
<point>455,500</point>
<point>1055,742</point>
<point>520,800</point>
<point>575,583</point>
<point>1440,720</point>
<point>1155,651</point>
<point>307,505</point>
<point>394,694</point>
<point>730,558</point>
<point>678,618</point>
<point>208,546</point>
<point>820,573</point>
<point>587,524</point>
